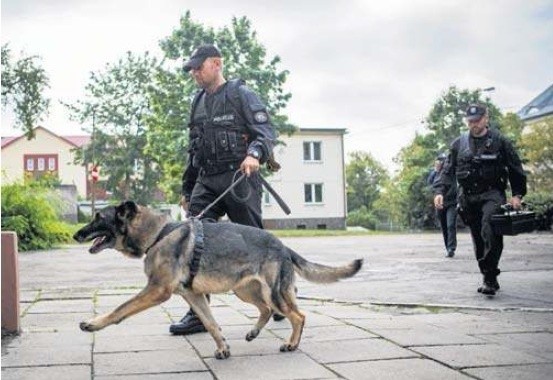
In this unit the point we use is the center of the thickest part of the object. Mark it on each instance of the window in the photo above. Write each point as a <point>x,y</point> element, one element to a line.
<point>36,164</point>
<point>312,151</point>
<point>313,192</point>
<point>266,197</point>
<point>41,164</point>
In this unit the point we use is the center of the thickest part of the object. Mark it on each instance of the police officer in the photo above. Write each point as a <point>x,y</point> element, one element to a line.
<point>481,161</point>
<point>447,215</point>
<point>229,130</point>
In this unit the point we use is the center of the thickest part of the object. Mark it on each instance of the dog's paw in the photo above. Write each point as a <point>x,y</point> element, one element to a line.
<point>223,353</point>
<point>252,335</point>
<point>286,347</point>
<point>87,326</point>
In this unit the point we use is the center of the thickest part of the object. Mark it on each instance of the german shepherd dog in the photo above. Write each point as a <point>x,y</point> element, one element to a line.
<point>251,262</point>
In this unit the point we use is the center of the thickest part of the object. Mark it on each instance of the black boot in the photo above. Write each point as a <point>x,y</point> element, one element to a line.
<point>189,324</point>
<point>490,285</point>
<point>278,317</point>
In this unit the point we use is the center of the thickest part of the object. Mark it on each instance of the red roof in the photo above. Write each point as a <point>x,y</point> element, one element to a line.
<point>77,141</point>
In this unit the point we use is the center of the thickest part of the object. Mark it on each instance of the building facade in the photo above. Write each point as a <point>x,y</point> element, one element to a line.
<point>311,181</point>
<point>46,154</point>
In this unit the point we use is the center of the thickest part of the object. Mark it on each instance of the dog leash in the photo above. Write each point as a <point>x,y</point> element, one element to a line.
<point>236,181</point>
<point>199,247</point>
<point>232,186</point>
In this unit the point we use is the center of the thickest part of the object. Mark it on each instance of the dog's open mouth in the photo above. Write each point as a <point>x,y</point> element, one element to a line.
<point>102,240</point>
<point>101,243</point>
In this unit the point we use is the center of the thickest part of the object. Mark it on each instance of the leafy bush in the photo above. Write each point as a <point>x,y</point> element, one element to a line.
<point>362,217</point>
<point>30,210</point>
<point>542,204</point>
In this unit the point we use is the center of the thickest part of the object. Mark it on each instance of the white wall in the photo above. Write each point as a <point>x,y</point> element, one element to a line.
<point>295,172</point>
<point>43,143</point>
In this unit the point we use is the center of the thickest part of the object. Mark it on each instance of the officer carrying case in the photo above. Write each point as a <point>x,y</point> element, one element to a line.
<point>513,222</point>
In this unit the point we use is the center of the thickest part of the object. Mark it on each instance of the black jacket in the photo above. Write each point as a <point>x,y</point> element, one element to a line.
<point>225,127</point>
<point>508,161</point>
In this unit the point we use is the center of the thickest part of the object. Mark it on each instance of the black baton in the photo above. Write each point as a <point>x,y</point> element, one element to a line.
<point>279,200</point>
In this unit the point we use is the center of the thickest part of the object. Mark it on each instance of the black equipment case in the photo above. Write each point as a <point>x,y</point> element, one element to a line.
<point>514,222</point>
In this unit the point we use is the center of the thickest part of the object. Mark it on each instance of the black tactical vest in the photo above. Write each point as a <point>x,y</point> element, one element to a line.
<point>481,169</point>
<point>221,139</point>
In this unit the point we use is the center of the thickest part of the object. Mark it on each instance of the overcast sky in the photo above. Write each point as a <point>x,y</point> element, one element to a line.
<point>372,67</point>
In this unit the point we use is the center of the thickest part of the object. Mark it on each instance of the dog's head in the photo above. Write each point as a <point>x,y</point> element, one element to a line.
<point>109,227</point>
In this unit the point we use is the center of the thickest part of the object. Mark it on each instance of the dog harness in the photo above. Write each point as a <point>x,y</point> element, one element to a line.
<point>199,248</point>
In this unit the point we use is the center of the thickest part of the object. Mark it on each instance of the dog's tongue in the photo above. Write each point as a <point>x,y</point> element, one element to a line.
<point>96,243</point>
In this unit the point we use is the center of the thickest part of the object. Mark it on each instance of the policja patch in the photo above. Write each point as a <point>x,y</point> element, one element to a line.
<point>261,117</point>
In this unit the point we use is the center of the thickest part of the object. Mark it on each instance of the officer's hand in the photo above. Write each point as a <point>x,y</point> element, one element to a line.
<point>249,165</point>
<point>516,202</point>
<point>183,203</point>
<point>439,201</point>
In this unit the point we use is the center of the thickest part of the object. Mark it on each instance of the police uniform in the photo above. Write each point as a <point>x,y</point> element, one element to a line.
<point>482,166</point>
<point>447,216</point>
<point>225,127</point>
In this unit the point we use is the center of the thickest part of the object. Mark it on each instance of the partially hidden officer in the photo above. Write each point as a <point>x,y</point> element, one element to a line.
<point>482,161</point>
<point>229,130</point>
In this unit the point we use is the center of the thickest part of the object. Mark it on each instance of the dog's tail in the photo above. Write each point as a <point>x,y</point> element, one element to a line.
<point>322,273</point>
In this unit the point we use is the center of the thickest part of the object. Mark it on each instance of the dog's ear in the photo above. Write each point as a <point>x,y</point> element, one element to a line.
<point>127,210</point>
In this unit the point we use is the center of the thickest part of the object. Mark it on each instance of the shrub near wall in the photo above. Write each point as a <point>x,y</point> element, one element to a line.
<point>31,211</point>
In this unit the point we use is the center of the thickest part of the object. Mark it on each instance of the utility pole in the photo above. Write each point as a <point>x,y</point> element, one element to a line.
<point>93,179</point>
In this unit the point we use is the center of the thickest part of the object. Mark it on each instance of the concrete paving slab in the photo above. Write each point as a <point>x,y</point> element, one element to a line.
<point>240,347</point>
<point>145,362</point>
<point>354,350</point>
<point>518,372</point>
<point>127,328</point>
<point>62,306</point>
<point>48,340</point>
<point>224,315</point>
<point>107,343</point>
<point>231,332</point>
<point>53,322</point>
<point>64,294</point>
<point>284,366</point>
<point>386,322</point>
<point>538,343</point>
<point>311,320</point>
<point>322,333</point>
<point>342,311</point>
<point>162,376</point>
<point>40,356</point>
<point>413,368</point>
<point>73,372</point>
<point>478,355</point>
<point>426,336</point>
<point>156,315</point>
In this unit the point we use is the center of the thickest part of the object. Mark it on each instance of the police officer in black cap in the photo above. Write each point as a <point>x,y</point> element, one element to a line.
<point>482,161</point>
<point>229,130</point>
<point>447,215</point>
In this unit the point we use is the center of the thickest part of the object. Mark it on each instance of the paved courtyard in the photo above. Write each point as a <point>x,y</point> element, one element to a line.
<point>410,313</point>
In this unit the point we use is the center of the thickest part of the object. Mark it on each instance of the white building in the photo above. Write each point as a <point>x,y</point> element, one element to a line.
<point>311,181</point>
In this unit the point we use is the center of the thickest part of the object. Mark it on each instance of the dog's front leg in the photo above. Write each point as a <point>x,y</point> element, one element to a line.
<point>199,305</point>
<point>151,295</point>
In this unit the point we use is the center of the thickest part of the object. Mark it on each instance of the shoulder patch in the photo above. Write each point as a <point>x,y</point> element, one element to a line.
<point>261,117</point>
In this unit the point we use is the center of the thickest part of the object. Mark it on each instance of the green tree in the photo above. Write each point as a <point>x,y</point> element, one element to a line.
<point>244,57</point>
<point>364,178</point>
<point>537,145</point>
<point>114,109</point>
<point>24,82</point>
<point>445,122</point>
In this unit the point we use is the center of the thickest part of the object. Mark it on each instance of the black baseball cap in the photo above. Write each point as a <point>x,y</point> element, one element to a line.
<point>475,112</point>
<point>441,157</point>
<point>200,55</point>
